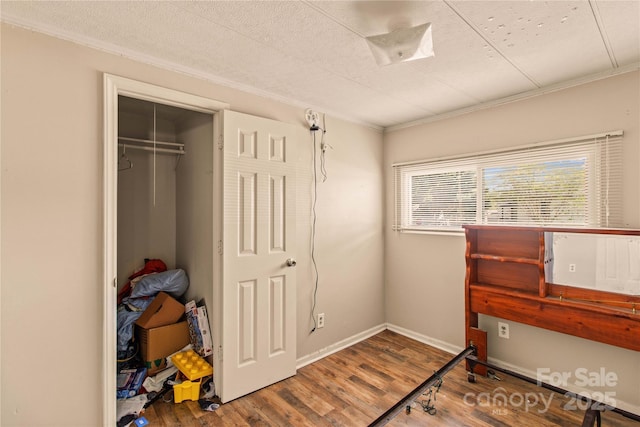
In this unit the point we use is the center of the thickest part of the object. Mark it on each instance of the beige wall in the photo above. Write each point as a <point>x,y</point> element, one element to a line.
<point>425,273</point>
<point>51,278</point>
<point>349,236</point>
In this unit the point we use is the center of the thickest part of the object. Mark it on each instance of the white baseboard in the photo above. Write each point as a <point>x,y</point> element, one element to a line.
<point>441,345</point>
<point>340,345</point>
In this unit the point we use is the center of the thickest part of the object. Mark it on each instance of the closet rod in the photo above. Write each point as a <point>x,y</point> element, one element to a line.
<point>151,142</point>
<point>157,150</point>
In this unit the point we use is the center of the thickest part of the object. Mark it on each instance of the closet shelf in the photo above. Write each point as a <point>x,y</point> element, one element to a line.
<point>148,145</point>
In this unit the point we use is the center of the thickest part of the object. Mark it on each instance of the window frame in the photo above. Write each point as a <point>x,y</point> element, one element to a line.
<point>594,148</point>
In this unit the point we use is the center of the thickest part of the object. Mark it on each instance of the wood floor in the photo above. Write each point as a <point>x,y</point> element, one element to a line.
<point>355,386</point>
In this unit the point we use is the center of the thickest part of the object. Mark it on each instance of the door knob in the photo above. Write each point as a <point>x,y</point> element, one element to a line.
<point>291,262</point>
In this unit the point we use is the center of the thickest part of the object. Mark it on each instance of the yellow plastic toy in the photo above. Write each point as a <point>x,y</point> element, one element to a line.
<point>192,365</point>
<point>187,390</point>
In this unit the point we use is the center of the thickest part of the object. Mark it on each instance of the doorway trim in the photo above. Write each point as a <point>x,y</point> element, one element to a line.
<point>112,87</point>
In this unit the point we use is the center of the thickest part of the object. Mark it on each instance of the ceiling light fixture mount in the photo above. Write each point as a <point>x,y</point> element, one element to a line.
<point>401,45</point>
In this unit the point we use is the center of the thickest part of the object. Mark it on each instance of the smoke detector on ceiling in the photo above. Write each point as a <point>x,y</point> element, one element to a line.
<point>401,45</point>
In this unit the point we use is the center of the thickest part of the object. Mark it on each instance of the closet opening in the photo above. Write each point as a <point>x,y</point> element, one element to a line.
<point>165,213</point>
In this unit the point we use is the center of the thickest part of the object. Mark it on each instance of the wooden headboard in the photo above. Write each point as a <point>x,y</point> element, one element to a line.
<point>505,278</point>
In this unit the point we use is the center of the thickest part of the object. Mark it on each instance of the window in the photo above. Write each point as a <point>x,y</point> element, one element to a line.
<point>574,182</point>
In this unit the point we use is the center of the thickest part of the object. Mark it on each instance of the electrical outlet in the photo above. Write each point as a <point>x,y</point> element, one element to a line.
<point>503,330</point>
<point>572,268</point>
<point>320,321</point>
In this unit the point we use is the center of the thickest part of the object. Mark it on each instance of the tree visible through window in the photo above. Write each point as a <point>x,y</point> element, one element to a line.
<point>552,192</point>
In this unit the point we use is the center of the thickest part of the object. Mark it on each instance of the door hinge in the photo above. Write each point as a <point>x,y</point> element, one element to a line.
<point>220,354</point>
<point>220,247</point>
<point>220,142</point>
<point>115,282</point>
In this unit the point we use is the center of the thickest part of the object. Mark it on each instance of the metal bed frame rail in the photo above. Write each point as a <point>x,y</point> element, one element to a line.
<point>592,415</point>
<point>418,391</point>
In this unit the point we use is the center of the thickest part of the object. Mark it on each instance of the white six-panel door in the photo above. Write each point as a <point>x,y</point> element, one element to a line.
<point>258,286</point>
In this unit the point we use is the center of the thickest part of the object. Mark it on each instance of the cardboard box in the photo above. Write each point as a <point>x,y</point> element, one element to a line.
<point>162,311</point>
<point>203,322</point>
<point>158,343</point>
<point>199,328</point>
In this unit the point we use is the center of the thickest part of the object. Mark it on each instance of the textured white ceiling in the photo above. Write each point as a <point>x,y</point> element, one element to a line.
<point>313,53</point>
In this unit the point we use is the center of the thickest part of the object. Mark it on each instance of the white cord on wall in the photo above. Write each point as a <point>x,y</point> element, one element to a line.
<point>313,120</point>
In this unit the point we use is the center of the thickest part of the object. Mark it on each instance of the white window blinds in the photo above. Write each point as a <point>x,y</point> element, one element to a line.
<point>573,182</point>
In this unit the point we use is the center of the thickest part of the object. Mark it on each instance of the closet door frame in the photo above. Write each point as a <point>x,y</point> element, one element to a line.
<point>113,86</point>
